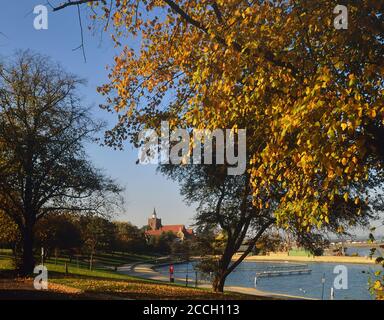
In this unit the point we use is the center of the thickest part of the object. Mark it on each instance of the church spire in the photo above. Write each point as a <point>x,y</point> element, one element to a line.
<point>154,215</point>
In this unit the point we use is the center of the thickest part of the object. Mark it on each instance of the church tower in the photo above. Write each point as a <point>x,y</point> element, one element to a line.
<point>154,223</point>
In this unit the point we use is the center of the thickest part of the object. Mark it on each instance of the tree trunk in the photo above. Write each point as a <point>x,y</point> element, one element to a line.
<point>219,282</point>
<point>28,260</point>
<point>222,272</point>
<point>91,262</point>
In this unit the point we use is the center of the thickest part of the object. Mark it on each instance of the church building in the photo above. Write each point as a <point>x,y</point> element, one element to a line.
<point>156,228</point>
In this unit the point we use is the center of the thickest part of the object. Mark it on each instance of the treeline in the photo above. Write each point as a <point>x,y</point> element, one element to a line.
<point>69,235</point>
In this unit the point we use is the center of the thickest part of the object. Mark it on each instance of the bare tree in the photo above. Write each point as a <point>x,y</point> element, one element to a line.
<point>43,166</point>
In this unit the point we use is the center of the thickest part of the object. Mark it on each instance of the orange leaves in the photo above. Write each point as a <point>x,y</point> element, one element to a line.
<point>344,126</point>
<point>372,114</point>
<point>307,128</point>
<point>136,289</point>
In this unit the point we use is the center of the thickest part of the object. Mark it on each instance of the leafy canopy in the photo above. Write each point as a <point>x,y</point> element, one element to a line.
<point>310,96</point>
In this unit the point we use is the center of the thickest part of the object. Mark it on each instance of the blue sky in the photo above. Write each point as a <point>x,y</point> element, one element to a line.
<point>145,189</point>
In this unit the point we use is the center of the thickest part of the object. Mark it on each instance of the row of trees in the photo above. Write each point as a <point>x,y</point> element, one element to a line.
<point>69,235</point>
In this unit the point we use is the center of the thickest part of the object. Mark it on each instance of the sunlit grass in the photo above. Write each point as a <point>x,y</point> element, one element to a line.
<point>139,289</point>
<point>108,283</point>
<point>82,271</point>
<point>5,264</point>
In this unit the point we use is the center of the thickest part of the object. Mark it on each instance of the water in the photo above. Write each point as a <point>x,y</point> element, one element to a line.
<point>363,252</point>
<point>309,285</point>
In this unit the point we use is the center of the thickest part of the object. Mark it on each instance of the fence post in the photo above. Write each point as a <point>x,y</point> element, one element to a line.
<point>186,280</point>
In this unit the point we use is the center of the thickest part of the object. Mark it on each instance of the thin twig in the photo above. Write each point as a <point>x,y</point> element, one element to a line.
<point>82,35</point>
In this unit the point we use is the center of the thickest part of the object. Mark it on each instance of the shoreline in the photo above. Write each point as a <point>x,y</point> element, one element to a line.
<point>148,271</point>
<point>319,259</point>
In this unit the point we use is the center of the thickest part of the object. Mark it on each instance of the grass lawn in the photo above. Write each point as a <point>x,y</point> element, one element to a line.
<point>144,289</point>
<point>101,283</point>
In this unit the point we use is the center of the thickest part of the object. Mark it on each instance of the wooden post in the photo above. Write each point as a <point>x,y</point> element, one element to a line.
<point>91,262</point>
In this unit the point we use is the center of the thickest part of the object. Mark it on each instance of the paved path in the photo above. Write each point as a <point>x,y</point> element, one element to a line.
<point>147,271</point>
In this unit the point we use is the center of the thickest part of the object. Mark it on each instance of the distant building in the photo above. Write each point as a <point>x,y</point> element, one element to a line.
<point>156,228</point>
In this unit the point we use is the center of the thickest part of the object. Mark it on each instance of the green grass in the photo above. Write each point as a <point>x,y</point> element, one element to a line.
<point>146,290</point>
<point>103,263</point>
<point>6,264</point>
<point>83,271</point>
<point>103,266</point>
<point>105,284</point>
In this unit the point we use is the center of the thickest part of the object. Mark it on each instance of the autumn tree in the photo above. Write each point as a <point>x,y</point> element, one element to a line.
<point>376,282</point>
<point>224,203</point>
<point>58,231</point>
<point>310,95</point>
<point>9,235</point>
<point>129,238</point>
<point>43,128</point>
<point>312,92</point>
<point>227,214</point>
<point>162,244</point>
<point>98,234</point>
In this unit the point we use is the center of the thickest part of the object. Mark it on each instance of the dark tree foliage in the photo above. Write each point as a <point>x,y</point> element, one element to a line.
<point>43,166</point>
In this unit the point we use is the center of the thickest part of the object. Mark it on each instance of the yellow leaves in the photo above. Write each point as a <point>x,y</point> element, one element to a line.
<point>302,126</point>
<point>372,114</point>
<point>377,285</point>
<point>248,11</point>
<point>352,80</point>
<point>117,18</point>
<point>331,174</point>
<point>346,197</point>
<point>135,289</point>
<point>340,65</point>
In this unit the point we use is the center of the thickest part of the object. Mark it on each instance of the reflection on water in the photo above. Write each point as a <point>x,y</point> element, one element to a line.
<point>309,285</point>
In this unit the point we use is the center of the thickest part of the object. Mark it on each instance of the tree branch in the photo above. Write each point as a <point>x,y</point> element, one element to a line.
<point>218,13</point>
<point>266,54</point>
<point>250,246</point>
<point>81,46</point>
<point>73,3</point>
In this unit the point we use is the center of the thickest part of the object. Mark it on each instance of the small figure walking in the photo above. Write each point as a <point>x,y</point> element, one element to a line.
<point>171,273</point>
